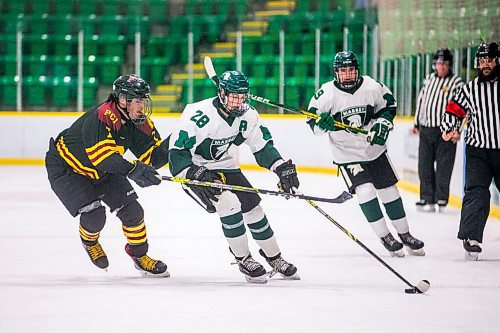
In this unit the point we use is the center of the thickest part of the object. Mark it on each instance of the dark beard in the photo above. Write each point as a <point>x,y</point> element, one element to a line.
<point>494,74</point>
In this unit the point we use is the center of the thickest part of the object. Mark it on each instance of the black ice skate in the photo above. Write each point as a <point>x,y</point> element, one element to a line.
<point>442,205</point>
<point>394,247</point>
<point>472,249</point>
<point>97,255</point>
<point>425,206</point>
<point>147,266</point>
<point>287,270</point>
<point>413,245</point>
<point>253,271</point>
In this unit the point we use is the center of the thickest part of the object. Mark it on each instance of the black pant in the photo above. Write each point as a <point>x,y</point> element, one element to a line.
<point>435,181</point>
<point>481,166</point>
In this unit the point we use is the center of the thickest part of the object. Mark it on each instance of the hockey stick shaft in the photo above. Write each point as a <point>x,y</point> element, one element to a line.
<point>351,236</point>
<point>209,67</point>
<point>340,199</point>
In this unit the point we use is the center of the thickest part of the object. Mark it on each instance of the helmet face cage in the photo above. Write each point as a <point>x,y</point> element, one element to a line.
<point>485,50</point>
<point>130,87</point>
<point>345,59</point>
<point>230,83</point>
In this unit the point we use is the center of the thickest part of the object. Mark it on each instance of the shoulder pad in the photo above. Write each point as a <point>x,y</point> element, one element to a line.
<point>147,127</point>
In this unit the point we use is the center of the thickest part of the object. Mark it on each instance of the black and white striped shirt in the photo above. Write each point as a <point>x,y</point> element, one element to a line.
<point>479,102</point>
<point>436,93</point>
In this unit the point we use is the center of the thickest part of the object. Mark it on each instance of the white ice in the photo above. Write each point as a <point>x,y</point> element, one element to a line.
<point>48,284</point>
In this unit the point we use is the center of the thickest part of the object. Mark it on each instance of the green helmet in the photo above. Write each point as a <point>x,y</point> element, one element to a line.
<point>345,59</point>
<point>234,82</point>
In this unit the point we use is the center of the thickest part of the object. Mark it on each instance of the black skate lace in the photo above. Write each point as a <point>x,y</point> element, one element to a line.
<point>389,239</point>
<point>407,238</point>
<point>96,251</point>
<point>279,266</point>
<point>147,263</point>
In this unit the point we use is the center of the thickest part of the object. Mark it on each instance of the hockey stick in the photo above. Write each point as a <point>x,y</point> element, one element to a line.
<point>344,196</point>
<point>420,288</point>
<point>209,67</point>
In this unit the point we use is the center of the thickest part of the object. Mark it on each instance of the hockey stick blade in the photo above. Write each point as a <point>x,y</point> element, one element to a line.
<point>340,199</point>
<point>209,68</point>
<point>421,288</point>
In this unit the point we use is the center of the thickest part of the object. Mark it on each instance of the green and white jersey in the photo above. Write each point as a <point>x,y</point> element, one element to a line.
<point>205,137</point>
<point>358,107</point>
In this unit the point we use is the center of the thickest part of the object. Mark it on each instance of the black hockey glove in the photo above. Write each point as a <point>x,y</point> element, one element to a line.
<point>143,174</point>
<point>288,177</point>
<point>326,122</point>
<point>205,193</point>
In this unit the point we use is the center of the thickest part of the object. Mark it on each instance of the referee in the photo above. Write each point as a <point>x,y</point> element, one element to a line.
<point>437,90</point>
<point>478,100</point>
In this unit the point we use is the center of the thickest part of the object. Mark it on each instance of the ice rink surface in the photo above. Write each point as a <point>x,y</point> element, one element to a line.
<point>48,284</point>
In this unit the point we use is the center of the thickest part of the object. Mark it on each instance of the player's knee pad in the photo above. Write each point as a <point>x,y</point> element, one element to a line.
<point>366,192</point>
<point>254,215</point>
<point>93,217</point>
<point>132,214</point>
<point>389,194</point>
<point>228,204</point>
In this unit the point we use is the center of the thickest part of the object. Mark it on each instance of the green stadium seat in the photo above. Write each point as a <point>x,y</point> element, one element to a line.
<point>303,66</point>
<point>65,7</point>
<point>10,62</point>
<point>269,44</point>
<point>65,44</point>
<point>90,45</point>
<point>138,24</point>
<point>90,86</point>
<point>39,7</point>
<point>158,10</point>
<point>136,7</point>
<point>111,25</point>
<point>86,7</point>
<point>88,24</point>
<point>276,23</point>
<point>64,66</point>
<point>39,44</point>
<point>9,90</point>
<point>13,22</point>
<point>39,24</point>
<point>155,46</point>
<point>36,89</point>
<point>112,45</point>
<point>63,24</point>
<point>303,6</point>
<point>62,91</point>
<point>265,66</point>
<point>110,7</point>
<point>37,65</point>
<point>89,66</point>
<point>224,64</point>
<point>110,69</point>
<point>153,69</point>
<point>17,7</point>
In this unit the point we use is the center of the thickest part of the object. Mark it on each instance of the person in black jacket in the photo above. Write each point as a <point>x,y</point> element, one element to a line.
<point>478,102</point>
<point>86,168</point>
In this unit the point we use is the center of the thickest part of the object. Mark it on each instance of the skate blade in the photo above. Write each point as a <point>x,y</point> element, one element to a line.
<point>426,209</point>
<point>259,279</point>
<point>418,253</point>
<point>284,277</point>
<point>151,275</point>
<point>472,256</point>
<point>398,253</point>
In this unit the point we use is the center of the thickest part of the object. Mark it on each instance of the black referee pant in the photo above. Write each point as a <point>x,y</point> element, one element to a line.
<point>481,166</point>
<point>435,181</point>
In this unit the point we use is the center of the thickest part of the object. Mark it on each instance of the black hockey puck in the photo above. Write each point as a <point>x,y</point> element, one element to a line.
<point>411,290</point>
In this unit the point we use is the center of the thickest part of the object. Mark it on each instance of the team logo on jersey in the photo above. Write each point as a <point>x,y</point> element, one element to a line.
<point>220,146</point>
<point>445,89</point>
<point>354,116</point>
<point>354,169</point>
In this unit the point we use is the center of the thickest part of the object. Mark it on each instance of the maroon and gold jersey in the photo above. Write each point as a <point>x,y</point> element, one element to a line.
<point>95,143</point>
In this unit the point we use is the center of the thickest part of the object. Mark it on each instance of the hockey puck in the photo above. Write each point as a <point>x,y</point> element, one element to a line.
<point>411,290</point>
